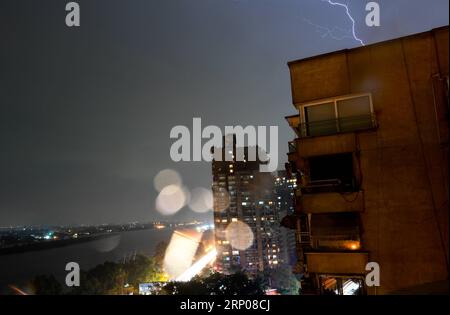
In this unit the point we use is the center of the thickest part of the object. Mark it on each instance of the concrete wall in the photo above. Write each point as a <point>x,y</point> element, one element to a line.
<point>404,162</point>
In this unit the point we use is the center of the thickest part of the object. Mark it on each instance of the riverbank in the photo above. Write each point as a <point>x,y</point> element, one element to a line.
<point>19,268</point>
<point>42,245</point>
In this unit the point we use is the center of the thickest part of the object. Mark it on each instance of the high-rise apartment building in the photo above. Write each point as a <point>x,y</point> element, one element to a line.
<point>284,193</point>
<point>371,163</point>
<point>245,216</point>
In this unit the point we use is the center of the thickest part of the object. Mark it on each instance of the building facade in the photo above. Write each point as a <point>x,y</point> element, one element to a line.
<point>370,160</point>
<point>245,217</point>
<point>284,193</point>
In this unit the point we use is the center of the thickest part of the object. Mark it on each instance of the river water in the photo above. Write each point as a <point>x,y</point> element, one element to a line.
<point>16,269</point>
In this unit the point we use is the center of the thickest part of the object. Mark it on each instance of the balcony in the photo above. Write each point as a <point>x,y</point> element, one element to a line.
<point>292,147</point>
<point>292,154</point>
<point>332,202</point>
<point>331,196</point>
<point>337,126</point>
<point>343,185</point>
<point>337,262</point>
<point>294,122</point>
<point>326,145</point>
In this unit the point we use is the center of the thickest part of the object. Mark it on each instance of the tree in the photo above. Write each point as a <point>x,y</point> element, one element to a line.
<point>216,284</point>
<point>282,279</point>
<point>111,278</point>
<point>143,269</point>
<point>46,285</point>
<point>107,278</point>
<point>160,252</point>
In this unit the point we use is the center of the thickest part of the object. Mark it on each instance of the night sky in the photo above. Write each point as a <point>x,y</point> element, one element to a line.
<point>85,113</point>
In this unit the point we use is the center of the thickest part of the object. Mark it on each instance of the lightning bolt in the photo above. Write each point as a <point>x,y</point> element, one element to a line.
<point>325,31</point>
<point>347,10</point>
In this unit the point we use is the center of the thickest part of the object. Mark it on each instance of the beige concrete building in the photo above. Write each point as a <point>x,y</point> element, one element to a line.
<point>371,162</point>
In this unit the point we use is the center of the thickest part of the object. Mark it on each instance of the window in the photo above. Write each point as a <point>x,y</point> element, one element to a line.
<point>342,114</point>
<point>341,285</point>
<point>328,167</point>
<point>321,119</point>
<point>335,231</point>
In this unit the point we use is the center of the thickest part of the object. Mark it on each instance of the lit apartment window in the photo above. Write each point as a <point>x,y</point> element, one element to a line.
<point>340,114</point>
<point>235,252</point>
<point>335,231</point>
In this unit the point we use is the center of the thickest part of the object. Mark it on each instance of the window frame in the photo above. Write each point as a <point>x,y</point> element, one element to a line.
<point>303,106</point>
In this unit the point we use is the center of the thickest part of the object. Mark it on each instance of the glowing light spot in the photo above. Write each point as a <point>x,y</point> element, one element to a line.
<point>198,266</point>
<point>221,200</point>
<point>171,199</point>
<point>239,235</point>
<point>201,200</point>
<point>106,244</point>
<point>165,178</point>
<point>353,245</point>
<point>17,290</point>
<point>181,252</point>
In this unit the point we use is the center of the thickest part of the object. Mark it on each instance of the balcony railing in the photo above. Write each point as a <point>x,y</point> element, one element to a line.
<point>330,185</point>
<point>292,147</point>
<point>336,126</point>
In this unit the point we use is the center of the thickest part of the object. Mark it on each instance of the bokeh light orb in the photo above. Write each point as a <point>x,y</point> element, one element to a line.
<point>171,199</point>
<point>221,200</point>
<point>165,178</point>
<point>105,245</point>
<point>239,235</point>
<point>201,200</point>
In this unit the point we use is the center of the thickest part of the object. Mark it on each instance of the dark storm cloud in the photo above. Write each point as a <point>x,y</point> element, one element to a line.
<point>86,113</point>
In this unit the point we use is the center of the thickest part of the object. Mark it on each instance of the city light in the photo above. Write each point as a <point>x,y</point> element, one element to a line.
<point>181,252</point>
<point>197,266</point>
